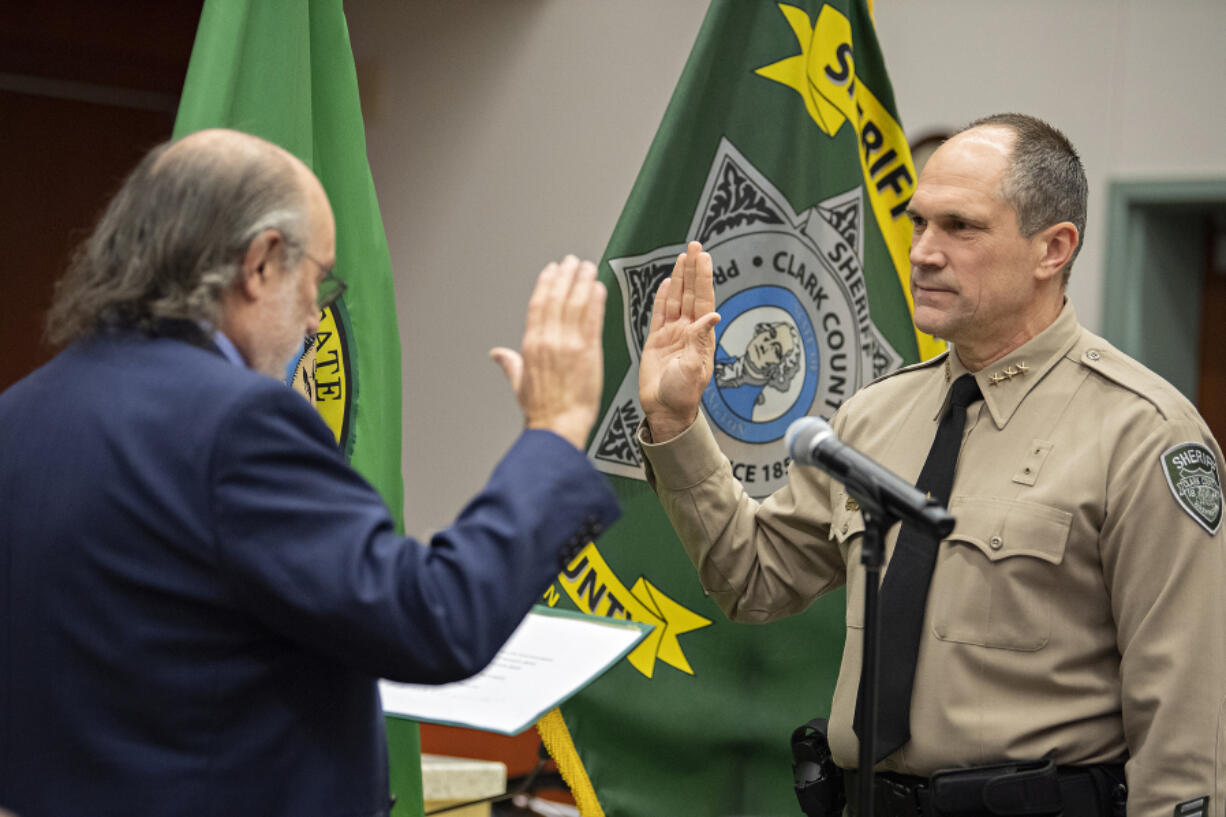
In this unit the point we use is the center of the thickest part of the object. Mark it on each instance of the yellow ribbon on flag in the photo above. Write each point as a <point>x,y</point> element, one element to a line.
<point>824,74</point>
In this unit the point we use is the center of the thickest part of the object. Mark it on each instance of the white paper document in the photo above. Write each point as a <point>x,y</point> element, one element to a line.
<point>551,655</point>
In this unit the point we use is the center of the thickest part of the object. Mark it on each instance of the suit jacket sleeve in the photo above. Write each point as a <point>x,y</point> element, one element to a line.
<point>308,547</point>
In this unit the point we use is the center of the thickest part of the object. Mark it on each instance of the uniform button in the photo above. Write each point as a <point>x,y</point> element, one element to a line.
<point>1027,470</point>
<point>996,542</point>
<point>844,527</point>
<point>1093,354</point>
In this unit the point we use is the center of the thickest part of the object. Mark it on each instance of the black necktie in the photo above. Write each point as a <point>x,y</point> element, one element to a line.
<point>904,590</point>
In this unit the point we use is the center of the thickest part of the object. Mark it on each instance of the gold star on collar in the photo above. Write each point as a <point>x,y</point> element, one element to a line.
<point>1008,373</point>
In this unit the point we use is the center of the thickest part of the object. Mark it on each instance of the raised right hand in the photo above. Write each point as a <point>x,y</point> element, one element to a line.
<point>558,376</point>
<point>679,353</point>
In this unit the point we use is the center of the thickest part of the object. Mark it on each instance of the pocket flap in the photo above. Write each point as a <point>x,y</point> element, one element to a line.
<point>1002,528</point>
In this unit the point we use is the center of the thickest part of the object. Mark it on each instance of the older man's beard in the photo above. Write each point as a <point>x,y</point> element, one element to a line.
<point>282,339</point>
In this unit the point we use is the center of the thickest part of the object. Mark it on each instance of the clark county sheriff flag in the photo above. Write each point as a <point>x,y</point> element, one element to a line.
<point>781,151</point>
<point>283,70</point>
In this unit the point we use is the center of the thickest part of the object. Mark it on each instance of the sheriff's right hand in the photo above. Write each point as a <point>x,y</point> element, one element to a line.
<point>679,354</point>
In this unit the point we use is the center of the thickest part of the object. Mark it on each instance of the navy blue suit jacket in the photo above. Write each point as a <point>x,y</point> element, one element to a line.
<point>197,593</point>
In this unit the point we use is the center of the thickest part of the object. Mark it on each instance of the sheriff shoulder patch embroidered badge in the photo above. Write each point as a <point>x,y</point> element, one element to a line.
<point>1192,473</point>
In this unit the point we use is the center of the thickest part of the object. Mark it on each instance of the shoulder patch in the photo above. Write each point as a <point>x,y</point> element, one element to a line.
<point>1192,473</point>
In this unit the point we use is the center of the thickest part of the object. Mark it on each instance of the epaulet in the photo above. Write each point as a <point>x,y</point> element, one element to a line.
<point>1100,357</point>
<point>914,367</point>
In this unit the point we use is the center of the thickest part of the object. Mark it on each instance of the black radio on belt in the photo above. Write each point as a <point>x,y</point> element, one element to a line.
<point>818,782</point>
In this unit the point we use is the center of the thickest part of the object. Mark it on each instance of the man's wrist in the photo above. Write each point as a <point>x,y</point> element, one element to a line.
<point>664,428</point>
<point>574,433</point>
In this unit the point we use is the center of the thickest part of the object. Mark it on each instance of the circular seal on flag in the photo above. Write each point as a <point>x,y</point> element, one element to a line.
<point>766,364</point>
<point>323,375</point>
<point>791,341</point>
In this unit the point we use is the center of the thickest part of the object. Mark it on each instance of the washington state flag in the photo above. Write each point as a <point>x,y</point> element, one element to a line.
<point>781,151</point>
<point>283,70</point>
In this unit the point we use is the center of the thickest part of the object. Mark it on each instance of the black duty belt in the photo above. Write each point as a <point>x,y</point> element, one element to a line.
<point>1039,789</point>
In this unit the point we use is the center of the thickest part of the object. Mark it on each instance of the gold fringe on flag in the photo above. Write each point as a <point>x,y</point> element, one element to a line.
<point>562,749</point>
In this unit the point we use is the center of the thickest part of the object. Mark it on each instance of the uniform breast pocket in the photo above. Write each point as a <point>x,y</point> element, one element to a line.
<point>847,528</point>
<point>996,573</point>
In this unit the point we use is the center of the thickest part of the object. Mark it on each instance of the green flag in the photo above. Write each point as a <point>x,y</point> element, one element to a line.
<point>781,152</point>
<point>283,70</point>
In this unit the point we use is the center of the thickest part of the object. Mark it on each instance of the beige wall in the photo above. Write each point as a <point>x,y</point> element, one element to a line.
<point>504,133</point>
<point>501,134</point>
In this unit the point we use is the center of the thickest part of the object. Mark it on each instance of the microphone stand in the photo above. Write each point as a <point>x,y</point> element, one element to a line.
<point>872,555</point>
<point>877,522</point>
<point>885,499</point>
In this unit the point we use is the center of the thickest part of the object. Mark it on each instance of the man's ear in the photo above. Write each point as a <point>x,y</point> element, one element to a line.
<point>256,269</point>
<point>1056,245</point>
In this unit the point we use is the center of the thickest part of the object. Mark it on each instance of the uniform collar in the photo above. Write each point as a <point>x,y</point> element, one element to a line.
<point>1006,382</point>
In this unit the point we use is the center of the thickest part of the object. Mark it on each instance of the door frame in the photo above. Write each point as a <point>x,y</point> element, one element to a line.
<point>1156,257</point>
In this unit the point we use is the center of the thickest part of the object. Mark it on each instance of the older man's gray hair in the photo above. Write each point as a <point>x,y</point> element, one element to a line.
<point>173,238</point>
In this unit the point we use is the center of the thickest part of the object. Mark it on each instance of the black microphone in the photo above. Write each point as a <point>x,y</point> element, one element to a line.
<point>811,441</point>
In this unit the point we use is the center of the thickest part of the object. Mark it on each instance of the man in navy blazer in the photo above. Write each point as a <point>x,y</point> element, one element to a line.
<point>197,593</point>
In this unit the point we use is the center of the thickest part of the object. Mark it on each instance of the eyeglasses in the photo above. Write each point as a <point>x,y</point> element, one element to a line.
<point>330,288</point>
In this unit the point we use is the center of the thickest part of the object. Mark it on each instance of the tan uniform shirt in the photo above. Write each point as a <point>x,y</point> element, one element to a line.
<point>1078,609</point>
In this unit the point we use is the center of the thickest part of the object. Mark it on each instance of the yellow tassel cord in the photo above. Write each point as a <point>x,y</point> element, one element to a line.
<point>562,749</point>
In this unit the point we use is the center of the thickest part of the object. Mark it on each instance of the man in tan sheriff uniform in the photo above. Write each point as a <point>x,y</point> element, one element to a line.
<point>1077,610</point>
